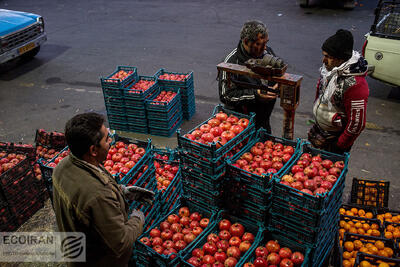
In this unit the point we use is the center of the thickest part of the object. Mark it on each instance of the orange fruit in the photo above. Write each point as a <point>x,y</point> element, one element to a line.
<point>347,255</point>
<point>390,228</point>
<point>389,251</point>
<point>349,213</point>
<point>388,235</point>
<point>369,245</point>
<point>347,227</point>
<point>346,263</point>
<point>354,210</point>
<point>369,215</point>
<point>358,225</point>
<point>354,230</point>
<point>374,226</point>
<point>364,249</point>
<point>382,253</point>
<point>396,234</point>
<point>351,223</point>
<point>342,211</point>
<point>365,264</point>
<point>375,233</point>
<point>361,212</point>
<point>349,246</point>
<point>352,261</point>
<point>388,215</point>
<point>361,231</point>
<point>342,223</point>
<point>369,232</point>
<point>373,250</point>
<point>379,245</point>
<point>366,226</point>
<point>357,244</point>
<point>383,264</point>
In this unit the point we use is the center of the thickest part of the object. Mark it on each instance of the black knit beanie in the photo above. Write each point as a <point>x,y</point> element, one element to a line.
<point>339,45</point>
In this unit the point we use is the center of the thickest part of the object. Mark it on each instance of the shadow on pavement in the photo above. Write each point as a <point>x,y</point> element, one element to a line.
<point>14,68</point>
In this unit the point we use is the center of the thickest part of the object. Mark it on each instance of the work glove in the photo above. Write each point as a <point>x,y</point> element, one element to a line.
<point>135,193</point>
<point>138,214</point>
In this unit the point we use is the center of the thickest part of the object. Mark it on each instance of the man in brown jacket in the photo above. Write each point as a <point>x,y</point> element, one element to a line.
<point>87,198</point>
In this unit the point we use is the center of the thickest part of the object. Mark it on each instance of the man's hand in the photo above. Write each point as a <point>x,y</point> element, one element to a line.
<point>137,213</point>
<point>268,95</point>
<point>138,194</point>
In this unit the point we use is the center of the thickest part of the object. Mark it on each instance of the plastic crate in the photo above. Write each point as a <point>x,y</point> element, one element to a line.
<point>212,152</point>
<point>203,165</point>
<point>18,148</point>
<point>163,106</point>
<point>211,199</point>
<point>110,83</point>
<point>21,216</point>
<point>363,191</point>
<point>319,256</point>
<point>188,80</point>
<point>7,219</point>
<point>172,154</point>
<point>136,112</point>
<point>137,129</point>
<point>23,192</point>
<point>116,117</point>
<point>133,96</point>
<point>365,239</point>
<point>319,203</point>
<point>146,256</point>
<point>155,115</point>
<point>195,178</point>
<point>375,260</point>
<point>166,132</point>
<point>113,101</point>
<point>115,109</point>
<point>355,219</point>
<point>118,126</point>
<point>9,177</point>
<point>53,139</point>
<point>395,238</point>
<point>136,120</point>
<point>253,180</point>
<point>256,230</point>
<point>271,234</point>
<point>166,124</point>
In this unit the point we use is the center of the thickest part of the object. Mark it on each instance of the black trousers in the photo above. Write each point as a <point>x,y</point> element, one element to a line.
<point>262,109</point>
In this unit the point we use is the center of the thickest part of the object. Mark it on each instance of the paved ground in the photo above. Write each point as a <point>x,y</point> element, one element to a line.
<point>88,39</point>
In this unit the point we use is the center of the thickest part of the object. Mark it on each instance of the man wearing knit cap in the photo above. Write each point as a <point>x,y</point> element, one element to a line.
<point>340,105</point>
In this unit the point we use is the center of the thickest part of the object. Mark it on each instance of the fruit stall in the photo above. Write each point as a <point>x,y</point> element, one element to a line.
<point>227,195</point>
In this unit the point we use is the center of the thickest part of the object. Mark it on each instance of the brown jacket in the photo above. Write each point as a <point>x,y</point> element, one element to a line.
<point>88,200</point>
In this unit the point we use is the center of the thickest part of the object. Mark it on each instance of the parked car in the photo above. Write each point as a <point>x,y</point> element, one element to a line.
<point>21,34</point>
<point>382,45</point>
<point>346,4</point>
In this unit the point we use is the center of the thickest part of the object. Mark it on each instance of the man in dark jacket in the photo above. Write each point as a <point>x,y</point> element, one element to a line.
<point>340,105</point>
<point>87,198</point>
<point>252,44</point>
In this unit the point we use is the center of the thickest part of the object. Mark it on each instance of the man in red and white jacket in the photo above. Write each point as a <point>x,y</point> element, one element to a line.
<point>340,105</point>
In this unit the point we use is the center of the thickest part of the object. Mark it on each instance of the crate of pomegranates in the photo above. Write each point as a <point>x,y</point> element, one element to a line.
<point>122,76</point>
<point>177,79</point>
<point>12,167</point>
<point>135,94</point>
<point>173,234</point>
<point>313,180</point>
<point>264,156</point>
<point>276,250</point>
<point>215,137</point>
<point>228,241</point>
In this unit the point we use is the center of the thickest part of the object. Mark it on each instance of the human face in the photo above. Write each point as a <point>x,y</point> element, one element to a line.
<point>256,48</point>
<point>330,62</point>
<point>104,145</point>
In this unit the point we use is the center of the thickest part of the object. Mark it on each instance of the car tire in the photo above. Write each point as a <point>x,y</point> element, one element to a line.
<point>31,54</point>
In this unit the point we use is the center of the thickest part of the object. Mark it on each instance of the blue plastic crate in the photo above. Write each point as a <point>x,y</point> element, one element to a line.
<point>256,230</point>
<point>144,159</point>
<point>135,129</point>
<point>197,180</point>
<point>166,132</point>
<point>261,182</point>
<point>115,109</point>
<point>172,154</point>
<point>109,82</point>
<point>166,124</point>
<point>271,234</point>
<point>119,126</point>
<point>212,152</point>
<point>116,117</point>
<point>162,106</point>
<point>146,256</point>
<point>136,112</point>
<point>211,199</point>
<point>188,80</point>
<point>313,203</point>
<point>172,198</point>
<point>135,96</point>
<point>136,120</point>
<point>205,166</point>
<point>113,101</point>
<point>153,115</point>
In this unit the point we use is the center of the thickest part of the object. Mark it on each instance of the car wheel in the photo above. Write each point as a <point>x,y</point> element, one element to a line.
<point>31,54</point>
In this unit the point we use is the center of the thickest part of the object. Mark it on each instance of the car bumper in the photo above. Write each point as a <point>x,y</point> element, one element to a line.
<point>15,52</point>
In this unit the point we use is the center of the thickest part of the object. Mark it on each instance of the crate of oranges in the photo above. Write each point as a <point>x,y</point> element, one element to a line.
<point>359,225</point>
<point>368,260</point>
<point>392,231</point>
<point>355,243</point>
<point>370,193</point>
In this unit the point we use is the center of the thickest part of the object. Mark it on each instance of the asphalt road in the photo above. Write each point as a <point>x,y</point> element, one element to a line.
<point>88,39</point>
